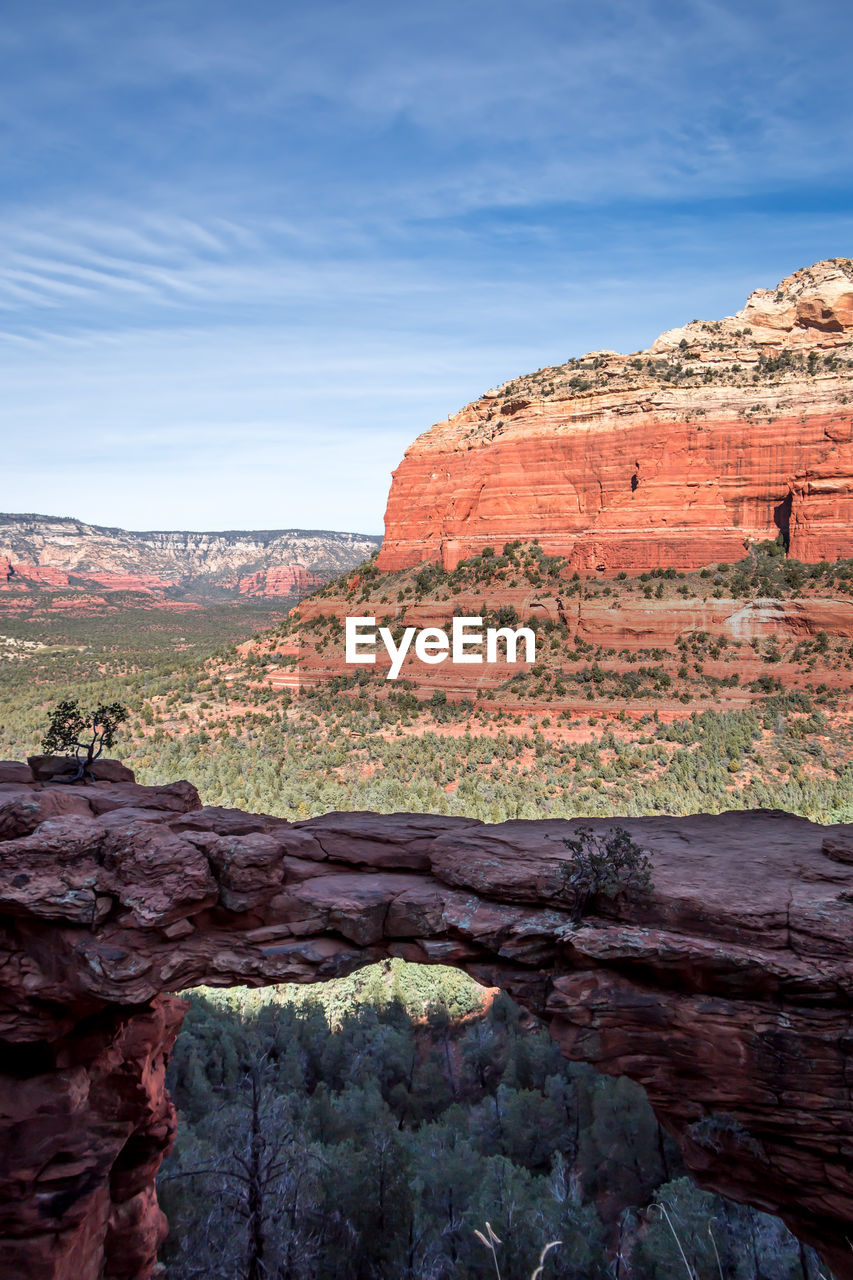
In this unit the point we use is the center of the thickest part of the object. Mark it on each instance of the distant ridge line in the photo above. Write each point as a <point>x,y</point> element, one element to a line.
<point>218,533</point>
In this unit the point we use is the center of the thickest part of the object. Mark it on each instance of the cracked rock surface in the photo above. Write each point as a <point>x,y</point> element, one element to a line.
<point>727,993</point>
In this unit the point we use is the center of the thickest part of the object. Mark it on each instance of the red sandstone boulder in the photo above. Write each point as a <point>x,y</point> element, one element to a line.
<point>111,771</point>
<point>248,867</point>
<point>14,771</point>
<point>174,797</point>
<point>47,768</point>
<point>839,844</point>
<point>142,857</point>
<point>22,810</point>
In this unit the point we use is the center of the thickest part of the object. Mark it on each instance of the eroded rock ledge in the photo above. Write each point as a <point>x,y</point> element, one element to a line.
<point>728,995</point>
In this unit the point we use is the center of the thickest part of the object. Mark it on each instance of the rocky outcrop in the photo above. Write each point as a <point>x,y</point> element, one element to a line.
<point>13,576</point>
<point>621,622</point>
<point>727,993</point>
<point>622,626</point>
<point>721,433</point>
<point>286,580</point>
<point>47,551</point>
<point>82,1143</point>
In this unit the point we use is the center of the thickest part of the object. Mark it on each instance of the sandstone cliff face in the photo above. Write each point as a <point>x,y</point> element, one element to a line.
<point>287,580</point>
<point>727,994</point>
<point>721,433</point>
<point>45,551</point>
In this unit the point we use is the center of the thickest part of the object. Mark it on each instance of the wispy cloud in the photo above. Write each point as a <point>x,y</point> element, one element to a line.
<point>277,244</point>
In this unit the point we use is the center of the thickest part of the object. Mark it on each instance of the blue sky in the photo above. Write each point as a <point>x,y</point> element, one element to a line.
<point>248,253</point>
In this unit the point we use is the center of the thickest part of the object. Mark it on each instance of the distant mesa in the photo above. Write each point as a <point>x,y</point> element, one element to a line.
<point>49,554</point>
<point>722,433</point>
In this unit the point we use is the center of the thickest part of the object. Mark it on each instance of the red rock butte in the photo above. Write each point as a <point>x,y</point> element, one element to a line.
<point>721,434</point>
<point>726,992</point>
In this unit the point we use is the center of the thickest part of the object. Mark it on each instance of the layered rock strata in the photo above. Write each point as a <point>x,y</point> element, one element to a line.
<point>727,993</point>
<point>305,659</point>
<point>722,433</point>
<point>38,552</point>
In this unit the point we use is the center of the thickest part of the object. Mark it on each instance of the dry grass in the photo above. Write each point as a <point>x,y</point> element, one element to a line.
<point>490,1239</point>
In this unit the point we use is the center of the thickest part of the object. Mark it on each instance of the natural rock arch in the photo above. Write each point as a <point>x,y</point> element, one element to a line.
<point>727,995</point>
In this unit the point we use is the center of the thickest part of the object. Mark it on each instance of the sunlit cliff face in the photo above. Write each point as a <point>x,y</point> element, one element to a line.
<point>722,433</point>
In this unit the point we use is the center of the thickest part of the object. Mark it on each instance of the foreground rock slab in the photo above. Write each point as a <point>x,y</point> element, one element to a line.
<point>728,993</point>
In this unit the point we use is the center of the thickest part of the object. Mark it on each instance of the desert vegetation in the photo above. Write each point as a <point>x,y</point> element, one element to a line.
<point>380,1122</point>
<point>706,724</point>
<point>368,1127</point>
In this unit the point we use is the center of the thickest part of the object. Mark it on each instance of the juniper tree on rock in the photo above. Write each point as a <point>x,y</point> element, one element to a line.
<point>86,733</point>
